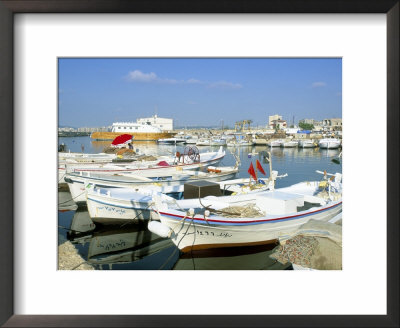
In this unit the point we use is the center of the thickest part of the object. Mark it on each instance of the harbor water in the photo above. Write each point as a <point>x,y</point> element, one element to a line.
<point>133,247</point>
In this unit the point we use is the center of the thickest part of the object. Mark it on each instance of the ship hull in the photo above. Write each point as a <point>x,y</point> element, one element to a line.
<point>137,136</point>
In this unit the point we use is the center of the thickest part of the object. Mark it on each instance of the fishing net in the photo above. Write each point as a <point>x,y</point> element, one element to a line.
<point>315,245</point>
<point>246,211</point>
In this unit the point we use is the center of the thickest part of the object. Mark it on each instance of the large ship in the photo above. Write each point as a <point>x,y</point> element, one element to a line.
<point>140,131</point>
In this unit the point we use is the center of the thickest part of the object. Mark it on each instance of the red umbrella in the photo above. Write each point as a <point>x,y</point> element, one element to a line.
<point>123,138</point>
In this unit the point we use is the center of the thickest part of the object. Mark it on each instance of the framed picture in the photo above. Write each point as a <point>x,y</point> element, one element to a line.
<point>217,292</point>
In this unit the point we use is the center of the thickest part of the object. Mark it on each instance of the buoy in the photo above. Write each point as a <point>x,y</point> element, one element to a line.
<point>159,229</point>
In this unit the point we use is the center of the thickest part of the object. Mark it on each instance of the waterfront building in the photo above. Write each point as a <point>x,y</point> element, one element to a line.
<point>278,124</point>
<point>332,124</point>
<point>272,118</point>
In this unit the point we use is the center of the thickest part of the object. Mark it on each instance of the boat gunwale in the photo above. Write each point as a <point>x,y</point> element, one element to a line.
<point>250,222</point>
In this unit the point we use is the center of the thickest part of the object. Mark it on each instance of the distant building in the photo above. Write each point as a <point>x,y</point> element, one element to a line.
<point>165,124</point>
<point>309,121</point>
<point>332,124</point>
<point>278,124</point>
<point>97,129</point>
<point>272,118</point>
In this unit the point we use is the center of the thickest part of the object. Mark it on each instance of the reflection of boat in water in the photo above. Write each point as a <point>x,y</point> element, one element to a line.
<point>240,258</point>
<point>65,202</point>
<point>330,152</point>
<point>118,244</point>
<point>126,245</point>
<point>81,227</point>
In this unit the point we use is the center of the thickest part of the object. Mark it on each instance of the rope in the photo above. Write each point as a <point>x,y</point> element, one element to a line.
<point>130,220</point>
<point>59,226</point>
<point>72,198</point>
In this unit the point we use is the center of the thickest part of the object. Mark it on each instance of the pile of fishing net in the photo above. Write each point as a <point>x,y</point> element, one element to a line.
<point>124,152</point>
<point>110,150</point>
<point>246,211</point>
<point>315,244</point>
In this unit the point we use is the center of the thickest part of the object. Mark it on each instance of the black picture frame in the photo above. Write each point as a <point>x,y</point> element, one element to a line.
<point>10,7</point>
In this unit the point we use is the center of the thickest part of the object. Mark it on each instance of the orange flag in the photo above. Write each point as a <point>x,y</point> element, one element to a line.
<point>251,171</point>
<point>259,167</point>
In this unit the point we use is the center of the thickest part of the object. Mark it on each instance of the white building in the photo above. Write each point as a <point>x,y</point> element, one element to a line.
<point>165,124</point>
<point>272,118</point>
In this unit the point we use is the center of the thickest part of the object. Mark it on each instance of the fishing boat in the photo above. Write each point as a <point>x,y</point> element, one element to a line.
<point>217,142</point>
<point>140,131</point>
<point>239,143</point>
<point>275,143</point>
<point>190,159</point>
<point>329,143</point>
<point>290,144</point>
<point>192,140</point>
<point>246,220</point>
<point>163,177</point>
<point>307,143</point>
<point>118,205</point>
<point>171,141</point>
<point>259,141</point>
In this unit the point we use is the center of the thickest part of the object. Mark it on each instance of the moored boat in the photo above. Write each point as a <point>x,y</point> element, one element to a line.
<point>171,141</point>
<point>247,220</point>
<point>290,144</point>
<point>275,143</point>
<point>77,182</point>
<point>117,205</point>
<point>329,143</point>
<point>140,131</point>
<point>307,143</point>
<point>190,159</point>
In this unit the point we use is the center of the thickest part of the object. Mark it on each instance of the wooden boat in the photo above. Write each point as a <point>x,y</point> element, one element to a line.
<point>119,205</point>
<point>189,160</point>
<point>139,131</point>
<point>214,222</point>
<point>163,177</point>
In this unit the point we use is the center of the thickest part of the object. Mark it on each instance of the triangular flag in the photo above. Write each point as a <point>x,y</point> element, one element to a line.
<point>252,172</point>
<point>259,167</point>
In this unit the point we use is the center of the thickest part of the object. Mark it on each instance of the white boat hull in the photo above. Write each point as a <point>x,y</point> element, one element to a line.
<point>76,183</point>
<point>329,143</point>
<point>198,234</point>
<point>102,209</point>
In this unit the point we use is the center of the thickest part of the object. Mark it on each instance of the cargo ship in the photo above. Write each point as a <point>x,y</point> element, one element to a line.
<point>139,131</point>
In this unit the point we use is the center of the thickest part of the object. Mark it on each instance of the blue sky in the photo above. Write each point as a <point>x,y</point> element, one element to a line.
<point>194,91</point>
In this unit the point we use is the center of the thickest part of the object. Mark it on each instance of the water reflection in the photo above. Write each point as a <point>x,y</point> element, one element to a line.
<point>238,258</point>
<point>134,247</point>
<point>119,247</point>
